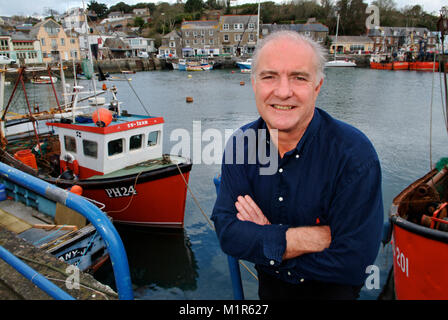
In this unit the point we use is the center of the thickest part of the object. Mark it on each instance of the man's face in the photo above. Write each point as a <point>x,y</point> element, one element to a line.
<point>285,85</point>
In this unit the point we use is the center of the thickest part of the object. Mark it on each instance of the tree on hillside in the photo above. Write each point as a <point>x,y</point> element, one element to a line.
<point>99,8</point>
<point>121,6</point>
<point>193,5</point>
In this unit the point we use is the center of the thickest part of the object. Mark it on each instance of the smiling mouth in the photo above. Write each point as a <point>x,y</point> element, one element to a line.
<point>278,107</point>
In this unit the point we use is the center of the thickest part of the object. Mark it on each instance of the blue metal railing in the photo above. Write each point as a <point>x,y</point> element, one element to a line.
<point>35,277</point>
<point>92,213</point>
<point>234,266</point>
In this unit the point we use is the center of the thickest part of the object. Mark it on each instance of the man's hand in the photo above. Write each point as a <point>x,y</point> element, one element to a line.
<point>303,240</point>
<point>249,211</point>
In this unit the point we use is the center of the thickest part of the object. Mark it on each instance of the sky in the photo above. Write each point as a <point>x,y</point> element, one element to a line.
<point>37,7</point>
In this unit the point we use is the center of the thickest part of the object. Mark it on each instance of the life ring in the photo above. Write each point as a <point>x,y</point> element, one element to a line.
<point>68,157</point>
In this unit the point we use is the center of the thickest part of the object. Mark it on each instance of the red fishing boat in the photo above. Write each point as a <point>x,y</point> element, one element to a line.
<point>420,238</point>
<point>424,66</point>
<point>400,65</point>
<point>109,156</point>
<point>381,65</point>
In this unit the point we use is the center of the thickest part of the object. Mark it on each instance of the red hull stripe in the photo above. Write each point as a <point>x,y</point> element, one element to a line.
<point>111,128</point>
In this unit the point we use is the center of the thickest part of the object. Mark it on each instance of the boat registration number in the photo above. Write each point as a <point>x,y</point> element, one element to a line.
<point>136,124</point>
<point>402,261</point>
<point>119,192</point>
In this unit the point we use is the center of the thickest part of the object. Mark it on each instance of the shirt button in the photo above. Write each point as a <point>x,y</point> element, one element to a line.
<point>272,262</point>
<point>280,170</point>
<point>280,199</point>
<point>297,156</point>
<point>301,280</point>
<point>289,273</point>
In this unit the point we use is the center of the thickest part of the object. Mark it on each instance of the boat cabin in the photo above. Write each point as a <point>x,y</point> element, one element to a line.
<point>90,150</point>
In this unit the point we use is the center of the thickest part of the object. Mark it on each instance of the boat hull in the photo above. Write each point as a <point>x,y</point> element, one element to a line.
<point>381,66</point>
<point>339,64</point>
<point>419,254</point>
<point>154,198</point>
<point>424,66</point>
<point>400,65</point>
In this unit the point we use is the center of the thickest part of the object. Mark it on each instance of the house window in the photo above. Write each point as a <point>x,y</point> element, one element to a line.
<point>70,144</point>
<point>62,41</point>
<point>251,37</point>
<point>202,32</point>
<point>172,44</point>
<point>153,138</point>
<point>211,41</point>
<point>210,32</point>
<point>195,41</point>
<point>225,26</point>
<point>251,26</point>
<point>187,42</point>
<point>187,33</point>
<point>238,37</point>
<point>42,41</point>
<point>135,142</point>
<point>226,37</point>
<point>90,148</point>
<point>115,147</point>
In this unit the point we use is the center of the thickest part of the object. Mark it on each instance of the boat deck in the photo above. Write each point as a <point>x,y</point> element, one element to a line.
<point>13,286</point>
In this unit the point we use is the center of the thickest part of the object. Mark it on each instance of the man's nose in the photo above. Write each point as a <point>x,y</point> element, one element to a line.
<point>283,89</point>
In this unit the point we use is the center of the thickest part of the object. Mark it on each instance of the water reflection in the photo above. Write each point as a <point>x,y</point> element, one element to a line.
<point>159,260</point>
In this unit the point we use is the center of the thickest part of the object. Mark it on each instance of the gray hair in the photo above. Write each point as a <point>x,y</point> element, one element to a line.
<point>294,36</point>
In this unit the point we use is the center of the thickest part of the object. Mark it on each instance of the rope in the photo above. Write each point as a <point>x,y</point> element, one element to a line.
<point>48,235</point>
<point>132,197</point>
<point>87,248</point>
<point>208,219</point>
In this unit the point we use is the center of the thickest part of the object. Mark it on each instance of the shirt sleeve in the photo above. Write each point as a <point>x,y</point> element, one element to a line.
<point>355,219</point>
<point>246,240</point>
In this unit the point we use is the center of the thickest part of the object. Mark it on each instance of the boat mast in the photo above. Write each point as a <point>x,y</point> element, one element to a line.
<point>336,39</point>
<point>258,21</point>
<point>2,98</point>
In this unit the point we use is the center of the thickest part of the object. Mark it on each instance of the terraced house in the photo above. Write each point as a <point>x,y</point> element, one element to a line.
<point>55,42</point>
<point>200,38</point>
<point>20,47</point>
<point>238,34</point>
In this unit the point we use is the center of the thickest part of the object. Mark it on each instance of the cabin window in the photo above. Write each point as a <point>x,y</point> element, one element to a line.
<point>90,148</point>
<point>135,142</point>
<point>115,147</point>
<point>153,138</point>
<point>70,144</point>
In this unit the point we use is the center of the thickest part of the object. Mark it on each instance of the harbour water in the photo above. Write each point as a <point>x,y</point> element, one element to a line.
<point>393,108</point>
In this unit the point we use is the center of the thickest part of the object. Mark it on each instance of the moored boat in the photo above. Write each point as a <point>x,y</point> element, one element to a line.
<point>400,65</point>
<point>247,64</point>
<point>381,65</point>
<point>424,66</point>
<point>44,80</point>
<point>115,157</point>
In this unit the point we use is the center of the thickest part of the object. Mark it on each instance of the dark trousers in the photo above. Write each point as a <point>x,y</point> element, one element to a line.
<point>271,288</point>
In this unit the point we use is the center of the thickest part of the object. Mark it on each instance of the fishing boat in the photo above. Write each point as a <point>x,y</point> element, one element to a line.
<point>419,234</point>
<point>184,65</point>
<point>424,66</point>
<point>116,159</point>
<point>44,80</point>
<point>50,226</point>
<point>244,65</point>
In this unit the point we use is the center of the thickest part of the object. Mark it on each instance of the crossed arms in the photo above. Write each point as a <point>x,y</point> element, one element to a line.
<point>299,240</point>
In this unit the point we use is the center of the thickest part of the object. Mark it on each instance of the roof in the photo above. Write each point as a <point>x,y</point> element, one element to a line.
<point>396,31</point>
<point>352,39</point>
<point>173,33</point>
<point>311,27</point>
<point>201,24</point>
<point>116,44</point>
<point>231,19</point>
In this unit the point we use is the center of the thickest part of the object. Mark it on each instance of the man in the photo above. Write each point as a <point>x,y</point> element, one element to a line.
<point>313,226</point>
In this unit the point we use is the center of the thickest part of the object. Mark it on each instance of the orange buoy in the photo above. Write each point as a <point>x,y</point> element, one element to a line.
<point>242,83</point>
<point>76,189</point>
<point>104,86</point>
<point>102,117</point>
<point>189,99</point>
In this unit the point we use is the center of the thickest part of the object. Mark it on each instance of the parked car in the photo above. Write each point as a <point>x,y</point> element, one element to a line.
<point>6,60</point>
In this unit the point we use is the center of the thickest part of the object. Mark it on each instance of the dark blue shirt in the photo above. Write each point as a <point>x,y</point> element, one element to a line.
<point>332,177</point>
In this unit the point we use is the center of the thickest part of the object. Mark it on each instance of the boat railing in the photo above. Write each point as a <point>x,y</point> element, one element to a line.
<point>87,209</point>
<point>234,266</point>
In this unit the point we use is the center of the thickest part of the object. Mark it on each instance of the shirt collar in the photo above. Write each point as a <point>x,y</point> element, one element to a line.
<point>307,138</point>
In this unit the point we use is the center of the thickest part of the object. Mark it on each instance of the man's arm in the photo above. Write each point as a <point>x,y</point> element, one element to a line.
<point>299,240</point>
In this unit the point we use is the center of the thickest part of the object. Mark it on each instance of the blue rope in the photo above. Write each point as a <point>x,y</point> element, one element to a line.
<point>87,248</point>
<point>48,235</point>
